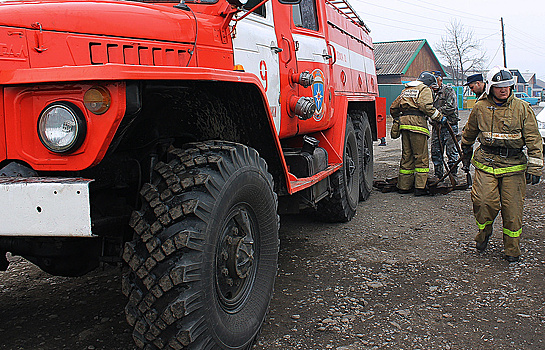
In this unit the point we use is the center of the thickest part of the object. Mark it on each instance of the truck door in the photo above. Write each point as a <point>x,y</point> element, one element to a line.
<point>308,27</point>
<point>300,32</point>
<point>256,49</point>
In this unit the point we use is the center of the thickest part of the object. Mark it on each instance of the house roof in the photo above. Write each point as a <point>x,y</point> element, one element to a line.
<point>528,76</point>
<point>395,57</point>
<point>516,73</point>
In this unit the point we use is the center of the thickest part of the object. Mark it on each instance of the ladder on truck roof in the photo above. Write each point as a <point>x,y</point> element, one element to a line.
<point>343,7</point>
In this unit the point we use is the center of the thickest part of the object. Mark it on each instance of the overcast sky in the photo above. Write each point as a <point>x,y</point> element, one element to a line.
<point>524,20</point>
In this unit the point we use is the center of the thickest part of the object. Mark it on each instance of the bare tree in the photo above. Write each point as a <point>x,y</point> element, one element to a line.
<point>461,51</point>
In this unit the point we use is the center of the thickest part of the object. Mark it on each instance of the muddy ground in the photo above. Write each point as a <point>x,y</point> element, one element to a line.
<point>404,274</point>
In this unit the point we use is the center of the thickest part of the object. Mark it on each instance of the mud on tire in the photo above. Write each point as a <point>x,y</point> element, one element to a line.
<point>204,258</point>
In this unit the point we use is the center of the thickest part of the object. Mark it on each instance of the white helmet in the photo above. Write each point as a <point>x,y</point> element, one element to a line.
<point>500,77</point>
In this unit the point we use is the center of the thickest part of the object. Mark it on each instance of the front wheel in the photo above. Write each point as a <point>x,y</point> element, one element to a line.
<point>204,257</point>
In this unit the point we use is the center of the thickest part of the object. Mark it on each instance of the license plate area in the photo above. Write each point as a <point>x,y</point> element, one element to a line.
<point>53,207</point>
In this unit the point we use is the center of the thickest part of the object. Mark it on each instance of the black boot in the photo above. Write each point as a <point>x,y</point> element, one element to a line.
<point>482,246</point>
<point>511,258</point>
<point>420,192</point>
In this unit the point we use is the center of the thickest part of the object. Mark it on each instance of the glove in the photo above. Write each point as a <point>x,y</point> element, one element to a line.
<point>467,153</point>
<point>395,132</point>
<point>532,179</point>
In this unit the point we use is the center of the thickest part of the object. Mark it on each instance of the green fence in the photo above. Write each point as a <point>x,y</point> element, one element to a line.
<point>459,90</point>
<point>391,91</point>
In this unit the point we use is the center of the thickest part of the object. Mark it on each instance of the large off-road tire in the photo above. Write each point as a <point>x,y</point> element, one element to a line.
<point>345,183</point>
<point>204,258</point>
<point>365,145</point>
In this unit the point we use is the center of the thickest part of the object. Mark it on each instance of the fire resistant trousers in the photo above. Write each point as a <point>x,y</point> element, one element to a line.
<point>490,195</point>
<point>414,165</point>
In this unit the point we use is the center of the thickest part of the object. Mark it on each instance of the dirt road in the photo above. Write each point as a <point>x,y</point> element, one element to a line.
<point>404,274</point>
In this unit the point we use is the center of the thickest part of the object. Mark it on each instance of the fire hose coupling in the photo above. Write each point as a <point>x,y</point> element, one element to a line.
<point>304,79</point>
<point>302,107</point>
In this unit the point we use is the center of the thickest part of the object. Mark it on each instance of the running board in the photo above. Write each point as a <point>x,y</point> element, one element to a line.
<point>297,184</point>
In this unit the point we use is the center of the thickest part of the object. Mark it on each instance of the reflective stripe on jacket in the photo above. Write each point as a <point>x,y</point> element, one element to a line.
<point>415,97</point>
<point>511,125</point>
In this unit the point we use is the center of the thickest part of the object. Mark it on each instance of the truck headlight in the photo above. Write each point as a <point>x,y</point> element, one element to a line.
<point>61,127</point>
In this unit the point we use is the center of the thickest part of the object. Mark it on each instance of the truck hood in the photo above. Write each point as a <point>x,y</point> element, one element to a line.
<point>124,19</point>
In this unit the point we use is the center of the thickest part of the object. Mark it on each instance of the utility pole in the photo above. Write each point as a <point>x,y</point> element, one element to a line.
<point>503,43</point>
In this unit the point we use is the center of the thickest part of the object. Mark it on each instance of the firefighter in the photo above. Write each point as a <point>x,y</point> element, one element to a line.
<point>410,109</point>
<point>476,84</point>
<point>503,124</point>
<point>446,102</point>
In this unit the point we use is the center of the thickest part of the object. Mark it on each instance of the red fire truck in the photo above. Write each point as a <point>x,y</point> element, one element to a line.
<point>171,135</point>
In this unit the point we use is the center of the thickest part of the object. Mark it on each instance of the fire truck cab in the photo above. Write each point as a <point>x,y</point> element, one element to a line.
<point>169,136</point>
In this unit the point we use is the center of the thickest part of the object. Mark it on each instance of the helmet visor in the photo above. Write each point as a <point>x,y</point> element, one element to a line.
<point>504,83</point>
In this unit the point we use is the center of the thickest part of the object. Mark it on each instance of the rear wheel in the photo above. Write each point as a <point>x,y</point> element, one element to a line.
<point>345,183</point>
<point>204,257</point>
<point>365,146</point>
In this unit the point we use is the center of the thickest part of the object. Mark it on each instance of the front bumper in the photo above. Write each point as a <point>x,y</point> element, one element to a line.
<point>51,207</point>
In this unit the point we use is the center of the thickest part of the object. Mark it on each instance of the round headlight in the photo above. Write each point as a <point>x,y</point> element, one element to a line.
<point>97,100</point>
<point>61,128</point>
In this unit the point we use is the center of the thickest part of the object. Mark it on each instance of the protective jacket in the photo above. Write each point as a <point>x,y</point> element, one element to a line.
<point>446,102</point>
<point>503,131</point>
<point>412,106</point>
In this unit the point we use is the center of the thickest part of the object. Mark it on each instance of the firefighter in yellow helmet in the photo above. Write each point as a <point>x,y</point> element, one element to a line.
<point>411,110</point>
<point>504,125</point>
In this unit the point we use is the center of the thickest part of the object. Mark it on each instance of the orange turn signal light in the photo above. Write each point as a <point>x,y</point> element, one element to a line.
<point>97,100</point>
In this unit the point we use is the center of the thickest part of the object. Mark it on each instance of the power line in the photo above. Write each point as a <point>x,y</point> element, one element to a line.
<point>527,44</point>
<point>492,59</point>
<point>405,13</point>
<point>404,28</point>
<point>538,40</point>
<point>527,49</point>
<point>480,18</point>
<point>488,36</point>
<point>392,20</point>
<point>527,41</point>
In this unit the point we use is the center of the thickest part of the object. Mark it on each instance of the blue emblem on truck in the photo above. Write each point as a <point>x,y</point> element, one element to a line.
<point>318,90</point>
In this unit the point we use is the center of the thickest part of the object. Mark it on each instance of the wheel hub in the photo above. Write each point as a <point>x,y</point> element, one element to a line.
<point>235,263</point>
<point>351,164</point>
<point>241,257</point>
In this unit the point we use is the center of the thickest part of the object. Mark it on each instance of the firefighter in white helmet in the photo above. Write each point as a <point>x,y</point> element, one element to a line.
<point>504,125</point>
